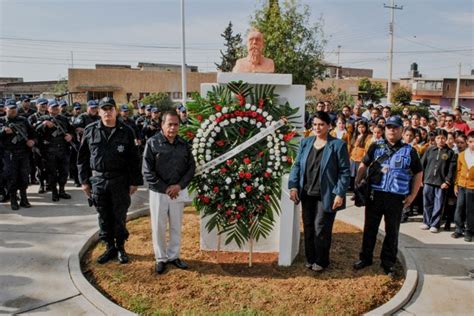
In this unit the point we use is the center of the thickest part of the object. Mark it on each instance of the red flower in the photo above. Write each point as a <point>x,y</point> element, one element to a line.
<point>247,160</point>
<point>237,216</point>
<point>229,162</point>
<point>260,154</point>
<point>241,99</point>
<point>216,189</point>
<point>242,130</point>
<point>219,206</point>
<point>240,208</point>
<point>260,103</point>
<point>223,170</point>
<point>289,159</point>
<point>218,107</point>
<point>289,136</point>
<point>190,134</point>
<point>199,117</point>
<point>220,143</point>
<point>241,174</point>
<point>228,213</point>
<point>205,199</point>
<point>267,174</point>
<point>248,188</point>
<point>254,114</point>
<point>266,197</point>
<point>248,175</point>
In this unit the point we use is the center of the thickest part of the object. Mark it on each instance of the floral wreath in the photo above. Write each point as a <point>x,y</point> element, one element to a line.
<point>241,195</point>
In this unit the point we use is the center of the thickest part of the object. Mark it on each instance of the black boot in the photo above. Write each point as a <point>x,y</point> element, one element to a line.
<point>63,194</point>
<point>24,199</point>
<point>121,254</point>
<point>14,202</point>
<point>55,196</point>
<point>109,253</point>
<point>41,189</point>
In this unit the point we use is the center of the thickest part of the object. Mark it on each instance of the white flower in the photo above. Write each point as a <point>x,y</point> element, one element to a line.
<point>269,138</point>
<point>208,151</point>
<point>211,140</point>
<point>270,118</point>
<point>208,157</point>
<point>283,150</point>
<point>239,119</point>
<point>271,151</point>
<point>253,122</point>
<point>277,152</point>
<point>284,159</point>
<point>202,145</point>
<point>228,180</point>
<point>242,195</point>
<point>213,134</point>
<point>265,114</point>
<point>246,119</point>
<point>253,108</point>
<point>225,110</point>
<point>217,129</point>
<point>205,188</point>
<point>247,106</point>
<point>232,196</point>
<point>261,187</point>
<point>201,150</point>
<point>194,152</point>
<point>259,111</point>
<point>282,143</point>
<point>277,164</point>
<point>270,163</point>
<point>233,120</point>
<point>259,124</point>
<point>202,162</point>
<point>226,122</point>
<point>218,114</point>
<point>269,170</point>
<point>268,123</point>
<point>208,145</point>
<point>212,118</point>
<point>269,144</point>
<point>280,136</point>
<point>272,157</point>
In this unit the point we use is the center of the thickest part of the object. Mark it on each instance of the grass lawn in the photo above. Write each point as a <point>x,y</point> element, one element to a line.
<point>223,284</point>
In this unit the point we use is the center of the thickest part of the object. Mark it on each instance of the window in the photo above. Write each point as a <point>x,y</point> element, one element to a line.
<point>97,95</point>
<point>176,95</point>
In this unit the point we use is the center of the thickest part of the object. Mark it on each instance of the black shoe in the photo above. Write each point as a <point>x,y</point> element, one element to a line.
<point>457,235</point>
<point>55,197</point>
<point>361,264</point>
<point>41,189</point>
<point>14,203</point>
<point>77,185</point>
<point>24,199</point>
<point>467,237</point>
<point>404,219</point>
<point>122,256</point>
<point>160,267</point>
<point>109,254</point>
<point>390,271</point>
<point>179,264</point>
<point>64,195</point>
<point>447,227</point>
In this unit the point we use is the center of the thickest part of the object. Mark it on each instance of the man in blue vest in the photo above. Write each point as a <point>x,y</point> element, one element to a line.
<point>396,175</point>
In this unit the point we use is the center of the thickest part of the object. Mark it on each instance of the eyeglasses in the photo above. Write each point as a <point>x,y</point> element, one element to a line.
<point>448,121</point>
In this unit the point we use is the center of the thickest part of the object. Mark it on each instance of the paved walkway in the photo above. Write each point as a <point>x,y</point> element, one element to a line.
<point>35,245</point>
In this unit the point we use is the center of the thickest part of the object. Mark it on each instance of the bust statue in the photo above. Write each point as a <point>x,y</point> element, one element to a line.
<point>255,61</point>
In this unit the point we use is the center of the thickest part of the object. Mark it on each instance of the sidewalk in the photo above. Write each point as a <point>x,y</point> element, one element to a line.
<point>35,245</point>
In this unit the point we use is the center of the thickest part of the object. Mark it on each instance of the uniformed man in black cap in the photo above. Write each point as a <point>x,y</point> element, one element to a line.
<point>63,106</point>
<point>73,173</point>
<point>2,109</point>
<point>76,111</point>
<point>85,119</point>
<point>141,112</point>
<point>56,135</point>
<point>3,192</point>
<point>109,170</point>
<point>25,109</point>
<point>140,121</point>
<point>124,116</point>
<point>38,159</point>
<point>183,114</point>
<point>153,124</point>
<point>17,137</point>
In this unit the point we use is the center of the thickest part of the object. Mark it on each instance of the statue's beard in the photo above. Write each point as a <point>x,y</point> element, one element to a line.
<point>255,55</point>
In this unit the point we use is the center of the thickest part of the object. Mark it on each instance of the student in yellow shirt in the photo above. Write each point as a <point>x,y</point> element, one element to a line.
<point>340,131</point>
<point>358,147</point>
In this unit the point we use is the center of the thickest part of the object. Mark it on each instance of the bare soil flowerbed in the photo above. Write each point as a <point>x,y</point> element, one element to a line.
<point>222,283</point>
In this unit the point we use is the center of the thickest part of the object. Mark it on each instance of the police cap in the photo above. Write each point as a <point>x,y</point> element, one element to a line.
<point>41,101</point>
<point>11,104</point>
<point>107,101</point>
<point>394,121</point>
<point>124,108</point>
<point>92,104</point>
<point>53,103</point>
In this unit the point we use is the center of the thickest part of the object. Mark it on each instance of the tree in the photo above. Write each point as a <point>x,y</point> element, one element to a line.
<point>161,100</point>
<point>234,49</point>
<point>295,45</point>
<point>371,91</point>
<point>337,97</point>
<point>401,95</point>
<point>60,88</point>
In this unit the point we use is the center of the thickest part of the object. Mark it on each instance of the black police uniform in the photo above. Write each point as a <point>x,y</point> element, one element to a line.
<point>38,158</point>
<point>109,162</point>
<point>56,152</point>
<point>81,121</point>
<point>150,128</point>
<point>16,153</point>
<point>26,113</point>
<point>131,123</point>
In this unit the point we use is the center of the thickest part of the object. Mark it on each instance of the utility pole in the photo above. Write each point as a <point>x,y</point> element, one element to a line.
<point>392,7</point>
<point>183,61</point>
<point>72,59</point>
<point>458,84</point>
<point>338,55</point>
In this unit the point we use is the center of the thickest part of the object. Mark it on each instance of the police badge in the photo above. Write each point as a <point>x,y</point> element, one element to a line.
<point>120,148</point>
<point>444,156</point>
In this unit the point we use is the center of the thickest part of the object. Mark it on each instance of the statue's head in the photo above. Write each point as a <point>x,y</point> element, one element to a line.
<point>255,44</point>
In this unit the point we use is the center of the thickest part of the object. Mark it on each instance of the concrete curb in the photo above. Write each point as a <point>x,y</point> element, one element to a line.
<point>108,307</point>
<point>90,293</point>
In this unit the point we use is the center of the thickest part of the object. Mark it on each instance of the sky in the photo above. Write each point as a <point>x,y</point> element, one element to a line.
<point>41,39</point>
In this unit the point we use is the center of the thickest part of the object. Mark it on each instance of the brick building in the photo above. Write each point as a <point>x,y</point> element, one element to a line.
<point>126,84</point>
<point>16,88</point>
<point>332,71</point>
<point>427,90</point>
<point>466,92</point>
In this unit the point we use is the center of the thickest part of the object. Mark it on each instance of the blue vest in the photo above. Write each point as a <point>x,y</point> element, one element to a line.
<point>396,173</point>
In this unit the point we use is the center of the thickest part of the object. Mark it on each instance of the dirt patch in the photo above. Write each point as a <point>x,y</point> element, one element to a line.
<point>222,283</point>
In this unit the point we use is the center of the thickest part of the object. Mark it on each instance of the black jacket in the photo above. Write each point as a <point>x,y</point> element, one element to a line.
<point>166,164</point>
<point>16,142</point>
<point>439,166</point>
<point>116,154</point>
<point>53,138</point>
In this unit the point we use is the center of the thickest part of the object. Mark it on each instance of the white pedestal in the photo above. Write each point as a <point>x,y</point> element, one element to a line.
<point>285,237</point>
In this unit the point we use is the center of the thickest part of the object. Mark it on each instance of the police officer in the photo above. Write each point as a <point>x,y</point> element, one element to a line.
<point>64,111</point>
<point>56,135</point>
<point>73,173</point>
<point>396,175</point>
<point>152,125</point>
<point>25,109</point>
<point>2,108</point>
<point>17,138</point>
<point>183,114</point>
<point>109,171</point>
<point>85,119</point>
<point>38,159</point>
<point>141,112</point>
<point>3,193</point>
<point>76,111</point>
<point>124,116</point>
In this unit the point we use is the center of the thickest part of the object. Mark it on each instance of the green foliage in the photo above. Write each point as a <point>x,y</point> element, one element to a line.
<point>161,100</point>
<point>240,196</point>
<point>292,41</point>
<point>233,52</point>
<point>337,97</point>
<point>401,95</point>
<point>371,91</point>
<point>422,110</point>
<point>60,88</point>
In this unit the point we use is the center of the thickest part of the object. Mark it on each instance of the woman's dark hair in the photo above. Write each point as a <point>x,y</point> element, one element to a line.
<point>441,132</point>
<point>356,133</point>
<point>470,134</point>
<point>381,119</point>
<point>169,113</point>
<point>341,117</point>
<point>410,129</point>
<point>323,116</point>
